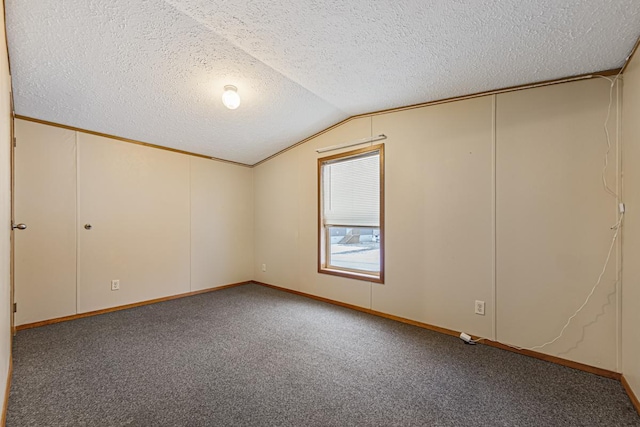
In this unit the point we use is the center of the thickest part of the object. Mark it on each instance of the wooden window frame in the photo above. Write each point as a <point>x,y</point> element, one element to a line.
<point>323,247</point>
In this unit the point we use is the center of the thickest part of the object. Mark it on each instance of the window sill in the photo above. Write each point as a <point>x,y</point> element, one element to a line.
<point>375,278</point>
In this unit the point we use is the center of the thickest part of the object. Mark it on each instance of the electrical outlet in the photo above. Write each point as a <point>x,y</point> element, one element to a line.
<point>115,285</point>
<point>264,267</point>
<point>480,307</point>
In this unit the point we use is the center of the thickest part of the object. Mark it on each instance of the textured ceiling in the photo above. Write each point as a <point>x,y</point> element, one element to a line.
<point>154,70</point>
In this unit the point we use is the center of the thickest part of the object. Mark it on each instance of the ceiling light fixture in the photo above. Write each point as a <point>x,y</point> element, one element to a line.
<point>230,97</point>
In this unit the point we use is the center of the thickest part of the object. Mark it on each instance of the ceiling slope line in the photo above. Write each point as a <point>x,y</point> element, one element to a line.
<point>612,72</point>
<point>6,38</point>
<point>630,56</point>
<point>128,140</point>
<point>586,76</point>
<point>172,3</point>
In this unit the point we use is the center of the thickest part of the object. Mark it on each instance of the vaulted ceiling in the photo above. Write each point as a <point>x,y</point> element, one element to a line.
<point>154,70</point>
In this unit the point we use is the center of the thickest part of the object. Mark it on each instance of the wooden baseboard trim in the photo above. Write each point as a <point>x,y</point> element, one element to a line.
<point>364,310</point>
<point>557,360</point>
<point>124,307</point>
<point>7,390</point>
<point>632,395</point>
<point>553,359</point>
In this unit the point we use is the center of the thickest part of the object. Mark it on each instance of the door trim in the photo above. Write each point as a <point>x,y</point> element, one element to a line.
<point>12,258</point>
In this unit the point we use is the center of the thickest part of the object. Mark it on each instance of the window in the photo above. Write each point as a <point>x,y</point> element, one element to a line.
<point>351,214</point>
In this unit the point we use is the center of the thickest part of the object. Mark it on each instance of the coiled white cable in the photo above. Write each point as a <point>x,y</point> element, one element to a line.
<point>616,227</point>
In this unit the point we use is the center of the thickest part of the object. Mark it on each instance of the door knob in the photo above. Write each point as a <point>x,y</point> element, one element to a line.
<point>19,226</point>
<point>87,226</point>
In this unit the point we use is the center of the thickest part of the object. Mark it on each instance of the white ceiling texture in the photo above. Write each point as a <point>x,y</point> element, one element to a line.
<point>154,70</point>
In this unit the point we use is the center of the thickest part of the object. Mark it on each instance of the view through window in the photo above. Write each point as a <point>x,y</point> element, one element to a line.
<point>351,213</point>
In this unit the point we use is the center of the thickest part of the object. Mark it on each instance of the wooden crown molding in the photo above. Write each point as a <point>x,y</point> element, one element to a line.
<point>605,73</point>
<point>131,141</point>
<point>6,39</point>
<point>630,57</point>
<point>613,72</point>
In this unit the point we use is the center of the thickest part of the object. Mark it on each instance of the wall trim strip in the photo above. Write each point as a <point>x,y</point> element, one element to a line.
<point>363,309</point>
<point>7,390</point>
<point>124,307</point>
<point>632,395</point>
<point>613,72</point>
<point>553,359</point>
<point>6,39</point>
<point>628,59</point>
<point>131,141</point>
<point>557,360</point>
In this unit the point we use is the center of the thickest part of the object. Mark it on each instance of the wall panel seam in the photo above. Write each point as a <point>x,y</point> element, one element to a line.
<point>494,224</point>
<point>619,254</point>
<point>189,172</point>
<point>77,199</point>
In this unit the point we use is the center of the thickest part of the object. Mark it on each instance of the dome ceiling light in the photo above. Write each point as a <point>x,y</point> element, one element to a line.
<point>230,97</point>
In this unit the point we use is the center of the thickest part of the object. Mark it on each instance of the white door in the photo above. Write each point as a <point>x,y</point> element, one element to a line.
<point>133,223</point>
<point>45,201</point>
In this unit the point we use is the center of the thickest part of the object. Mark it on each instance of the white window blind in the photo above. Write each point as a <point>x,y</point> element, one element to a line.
<point>351,191</point>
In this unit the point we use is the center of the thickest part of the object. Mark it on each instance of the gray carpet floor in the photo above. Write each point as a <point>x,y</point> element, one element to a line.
<point>254,356</point>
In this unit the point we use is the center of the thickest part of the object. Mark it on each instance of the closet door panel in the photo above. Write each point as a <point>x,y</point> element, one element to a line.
<point>45,200</point>
<point>133,223</point>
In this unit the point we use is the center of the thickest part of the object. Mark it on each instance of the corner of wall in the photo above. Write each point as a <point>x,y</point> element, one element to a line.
<point>5,218</point>
<point>631,227</point>
<point>252,256</point>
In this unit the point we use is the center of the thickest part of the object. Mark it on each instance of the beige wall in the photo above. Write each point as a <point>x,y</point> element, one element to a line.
<point>137,202</point>
<point>631,230</point>
<point>162,223</point>
<point>553,221</point>
<point>5,210</point>
<point>439,210</point>
<point>221,224</point>
<point>496,198</point>
<point>286,218</point>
